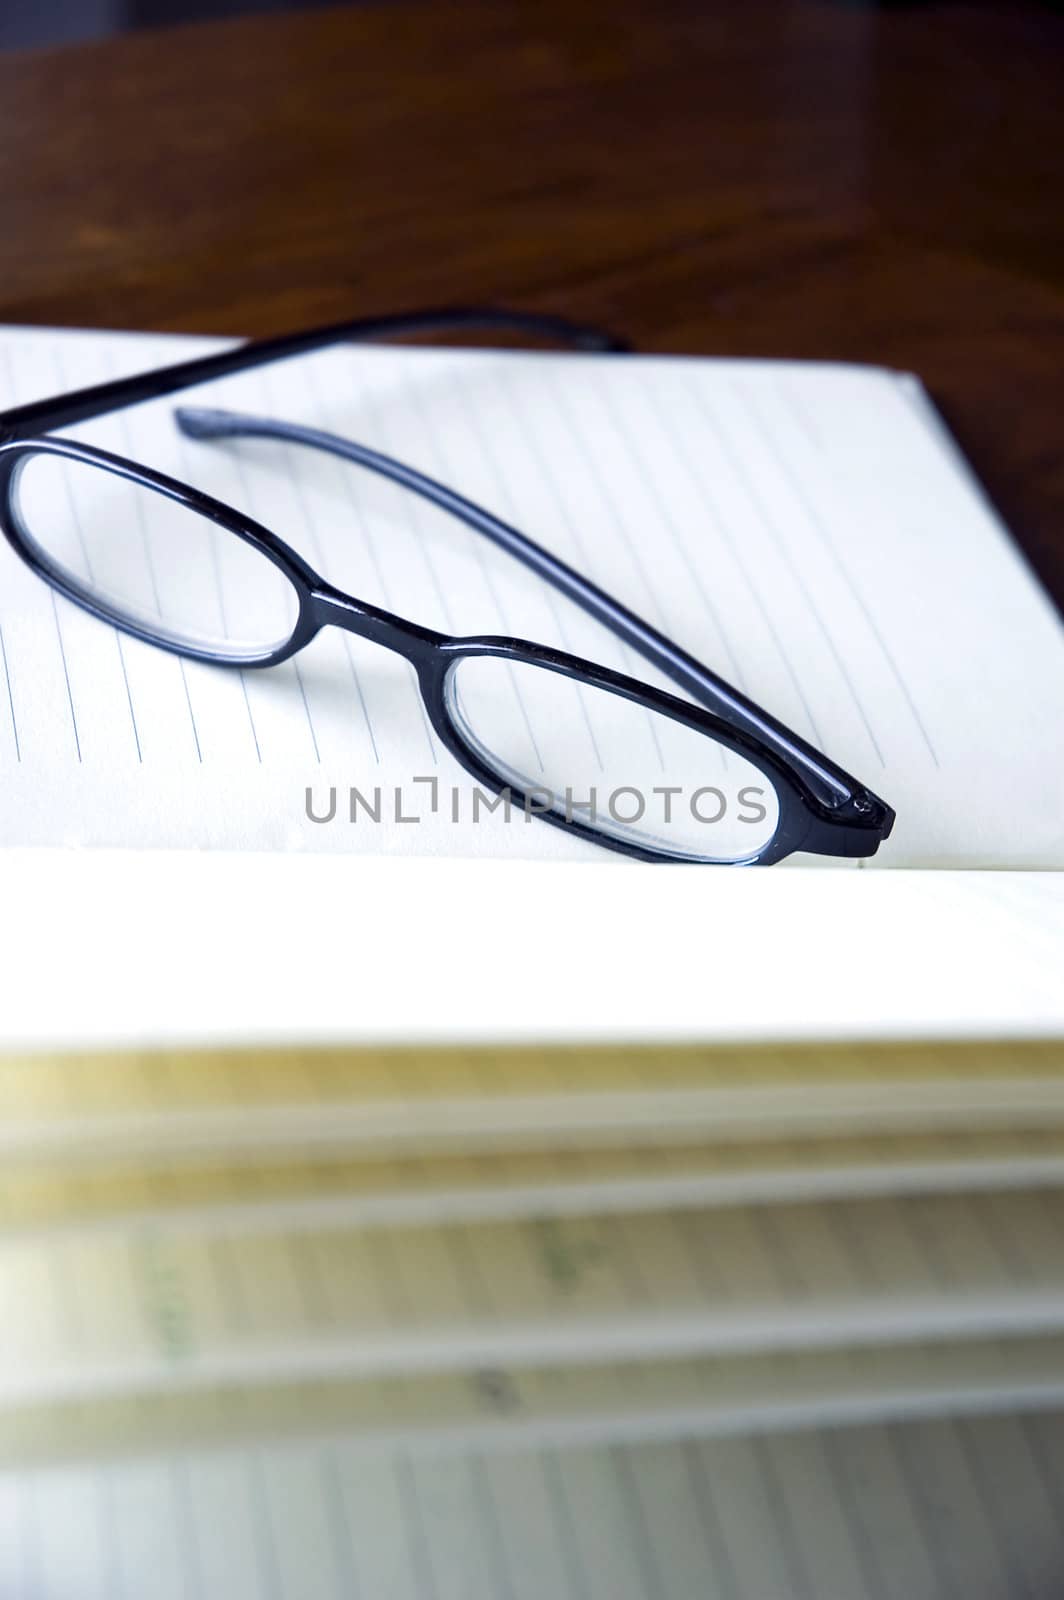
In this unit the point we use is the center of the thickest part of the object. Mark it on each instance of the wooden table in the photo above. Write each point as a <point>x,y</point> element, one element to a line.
<point>785,177</point>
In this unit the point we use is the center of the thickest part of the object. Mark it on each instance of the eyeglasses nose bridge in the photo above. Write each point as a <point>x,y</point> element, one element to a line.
<point>332,608</point>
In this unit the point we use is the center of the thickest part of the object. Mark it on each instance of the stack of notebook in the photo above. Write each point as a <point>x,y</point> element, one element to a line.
<point>498,1228</point>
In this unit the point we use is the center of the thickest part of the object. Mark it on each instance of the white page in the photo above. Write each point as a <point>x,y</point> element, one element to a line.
<point>908,1511</point>
<point>802,528</point>
<point>108,948</point>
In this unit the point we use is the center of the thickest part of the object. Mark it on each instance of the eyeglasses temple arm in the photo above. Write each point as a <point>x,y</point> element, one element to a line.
<point>62,411</point>
<point>830,784</point>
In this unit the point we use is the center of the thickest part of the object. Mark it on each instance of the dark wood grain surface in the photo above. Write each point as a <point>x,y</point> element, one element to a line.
<point>782,177</point>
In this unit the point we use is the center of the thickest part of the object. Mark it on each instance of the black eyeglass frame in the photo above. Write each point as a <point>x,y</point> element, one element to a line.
<point>822,809</point>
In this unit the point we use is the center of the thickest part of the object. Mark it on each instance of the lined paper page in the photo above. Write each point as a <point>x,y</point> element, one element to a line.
<point>803,529</point>
<point>256,1105</point>
<point>946,1507</point>
<point>338,1192</point>
<point>528,1405</point>
<point>190,1308</point>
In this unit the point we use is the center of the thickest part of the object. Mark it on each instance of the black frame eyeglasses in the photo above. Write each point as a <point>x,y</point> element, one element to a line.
<point>821,808</point>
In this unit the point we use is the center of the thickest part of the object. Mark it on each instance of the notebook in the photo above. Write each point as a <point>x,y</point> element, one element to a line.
<point>809,530</point>
<point>477,1226</point>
